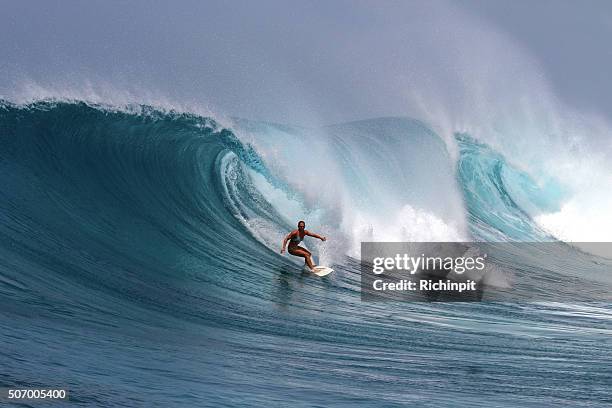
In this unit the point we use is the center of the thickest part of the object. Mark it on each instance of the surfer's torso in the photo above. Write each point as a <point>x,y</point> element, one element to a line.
<point>296,238</point>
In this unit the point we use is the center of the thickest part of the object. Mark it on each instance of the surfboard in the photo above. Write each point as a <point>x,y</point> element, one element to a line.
<point>322,270</point>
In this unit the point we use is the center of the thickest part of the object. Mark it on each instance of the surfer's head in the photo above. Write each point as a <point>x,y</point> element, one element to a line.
<point>301,225</point>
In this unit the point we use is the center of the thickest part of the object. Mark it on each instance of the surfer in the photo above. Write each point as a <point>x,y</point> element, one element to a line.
<point>294,238</point>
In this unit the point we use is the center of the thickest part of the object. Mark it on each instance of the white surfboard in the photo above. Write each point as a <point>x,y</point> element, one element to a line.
<point>322,270</point>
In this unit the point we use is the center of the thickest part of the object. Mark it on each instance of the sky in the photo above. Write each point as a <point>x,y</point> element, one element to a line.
<point>315,61</point>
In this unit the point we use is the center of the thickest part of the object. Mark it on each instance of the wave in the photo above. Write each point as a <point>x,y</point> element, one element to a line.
<point>159,188</point>
<point>140,222</point>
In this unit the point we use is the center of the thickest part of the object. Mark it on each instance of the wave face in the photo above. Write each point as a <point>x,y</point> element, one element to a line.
<point>139,265</point>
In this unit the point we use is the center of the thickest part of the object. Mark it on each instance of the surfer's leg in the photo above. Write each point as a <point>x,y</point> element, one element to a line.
<point>304,253</point>
<point>299,251</point>
<point>308,261</point>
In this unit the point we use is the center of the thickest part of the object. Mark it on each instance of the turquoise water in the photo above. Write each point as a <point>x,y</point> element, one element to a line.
<point>140,266</point>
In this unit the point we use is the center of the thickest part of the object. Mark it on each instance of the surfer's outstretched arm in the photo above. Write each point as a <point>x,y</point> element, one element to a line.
<point>312,234</point>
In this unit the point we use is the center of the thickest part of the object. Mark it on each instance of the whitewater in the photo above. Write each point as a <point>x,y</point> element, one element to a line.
<point>140,264</point>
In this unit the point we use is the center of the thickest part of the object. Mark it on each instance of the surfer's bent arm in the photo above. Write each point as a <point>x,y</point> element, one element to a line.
<point>312,234</point>
<point>287,238</point>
